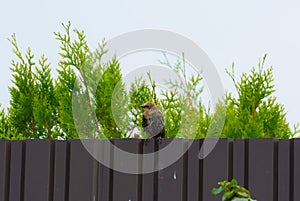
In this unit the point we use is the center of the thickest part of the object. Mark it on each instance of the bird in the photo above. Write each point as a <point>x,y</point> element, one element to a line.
<point>153,121</point>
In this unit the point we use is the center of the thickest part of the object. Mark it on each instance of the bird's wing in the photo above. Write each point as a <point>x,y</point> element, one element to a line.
<point>157,123</point>
<point>145,120</point>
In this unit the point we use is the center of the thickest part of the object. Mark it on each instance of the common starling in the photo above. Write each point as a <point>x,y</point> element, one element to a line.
<point>153,121</point>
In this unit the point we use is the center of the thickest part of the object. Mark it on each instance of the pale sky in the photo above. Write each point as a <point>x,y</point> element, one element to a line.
<point>228,31</point>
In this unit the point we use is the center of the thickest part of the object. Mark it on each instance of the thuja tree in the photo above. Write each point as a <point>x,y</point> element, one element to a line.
<point>33,111</point>
<point>255,111</point>
<point>186,114</point>
<point>96,82</point>
<point>42,107</point>
<point>112,116</point>
<point>139,93</point>
<point>7,131</point>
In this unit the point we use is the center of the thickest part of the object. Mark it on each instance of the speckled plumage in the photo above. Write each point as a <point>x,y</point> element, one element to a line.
<point>153,121</point>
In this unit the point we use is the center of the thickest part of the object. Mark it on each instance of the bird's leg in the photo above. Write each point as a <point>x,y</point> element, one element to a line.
<point>159,139</point>
<point>147,140</point>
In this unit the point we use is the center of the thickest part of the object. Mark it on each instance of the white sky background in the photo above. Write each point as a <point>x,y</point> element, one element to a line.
<point>228,31</point>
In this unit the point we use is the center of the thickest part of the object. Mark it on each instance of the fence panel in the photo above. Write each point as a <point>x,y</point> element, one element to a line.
<point>261,168</point>
<point>16,177</point>
<point>149,180</point>
<point>38,177</point>
<point>295,170</point>
<point>194,190</point>
<point>82,178</point>
<point>126,186</point>
<point>61,159</point>
<point>65,171</point>
<point>104,152</point>
<point>215,167</point>
<point>172,179</point>
<point>238,161</point>
<point>283,188</point>
<point>4,169</point>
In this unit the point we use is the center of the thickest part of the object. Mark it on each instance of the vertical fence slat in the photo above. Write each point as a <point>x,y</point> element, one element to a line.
<point>104,152</point>
<point>60,171</point>
<point>148,180</point>
<point>260,169</point>
<point>81,175</point>
<point>4,169</point>
<point>172,179</point>
<point>215,168</point>
<point>125,186</point>
<point>296,169</point>
<point>283,170</point>
<point>193,171</point>
<point>238,161</point>
<point>16,171</point>
<point>37,182</point>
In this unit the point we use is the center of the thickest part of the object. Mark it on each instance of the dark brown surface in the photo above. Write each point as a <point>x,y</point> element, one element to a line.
<point>283,170</point>
<point>261,169</point>
<point>4,169</point>
<point>104,188</point>
<point>193,171</point>
<point>38,175</point>
<point>171,182</point>
<point>82,176</point>
<point>296,170</point>
<point>149,180</point>
<point>35,170</point>
<point>126,186</point>
<point>61,159</point>
<point>238,161</point>
<point>16,178</point>
<point>215,168</point>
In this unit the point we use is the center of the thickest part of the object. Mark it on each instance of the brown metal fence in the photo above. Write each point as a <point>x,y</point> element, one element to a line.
<point>38,170</point>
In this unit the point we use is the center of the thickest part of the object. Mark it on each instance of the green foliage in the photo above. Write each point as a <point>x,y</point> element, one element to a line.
<point>232,191</point>
<point>44,107</point>
<point>110,80</point>
<point>171,108</point>
<point>185,114</point>
<point>94,89</point>
<point>7,131</point>
<point>139,93</point>
<point>45,103</point>
<point>33,106</point>
<point>255,112</point>
<point>73,56</point>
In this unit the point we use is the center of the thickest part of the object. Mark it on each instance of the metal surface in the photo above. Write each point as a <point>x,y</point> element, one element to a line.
<point>35,170</point>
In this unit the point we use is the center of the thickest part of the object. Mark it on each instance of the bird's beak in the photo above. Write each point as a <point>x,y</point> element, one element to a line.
<point>142,106</point>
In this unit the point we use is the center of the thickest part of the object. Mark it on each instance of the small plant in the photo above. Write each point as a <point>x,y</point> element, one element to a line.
<point>232,191</point>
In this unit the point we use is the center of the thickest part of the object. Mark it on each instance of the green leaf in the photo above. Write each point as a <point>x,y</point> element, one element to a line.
<point>240,199</point>
<point>216,191</point>
<point>233,183</point>
<point>227,196</point>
